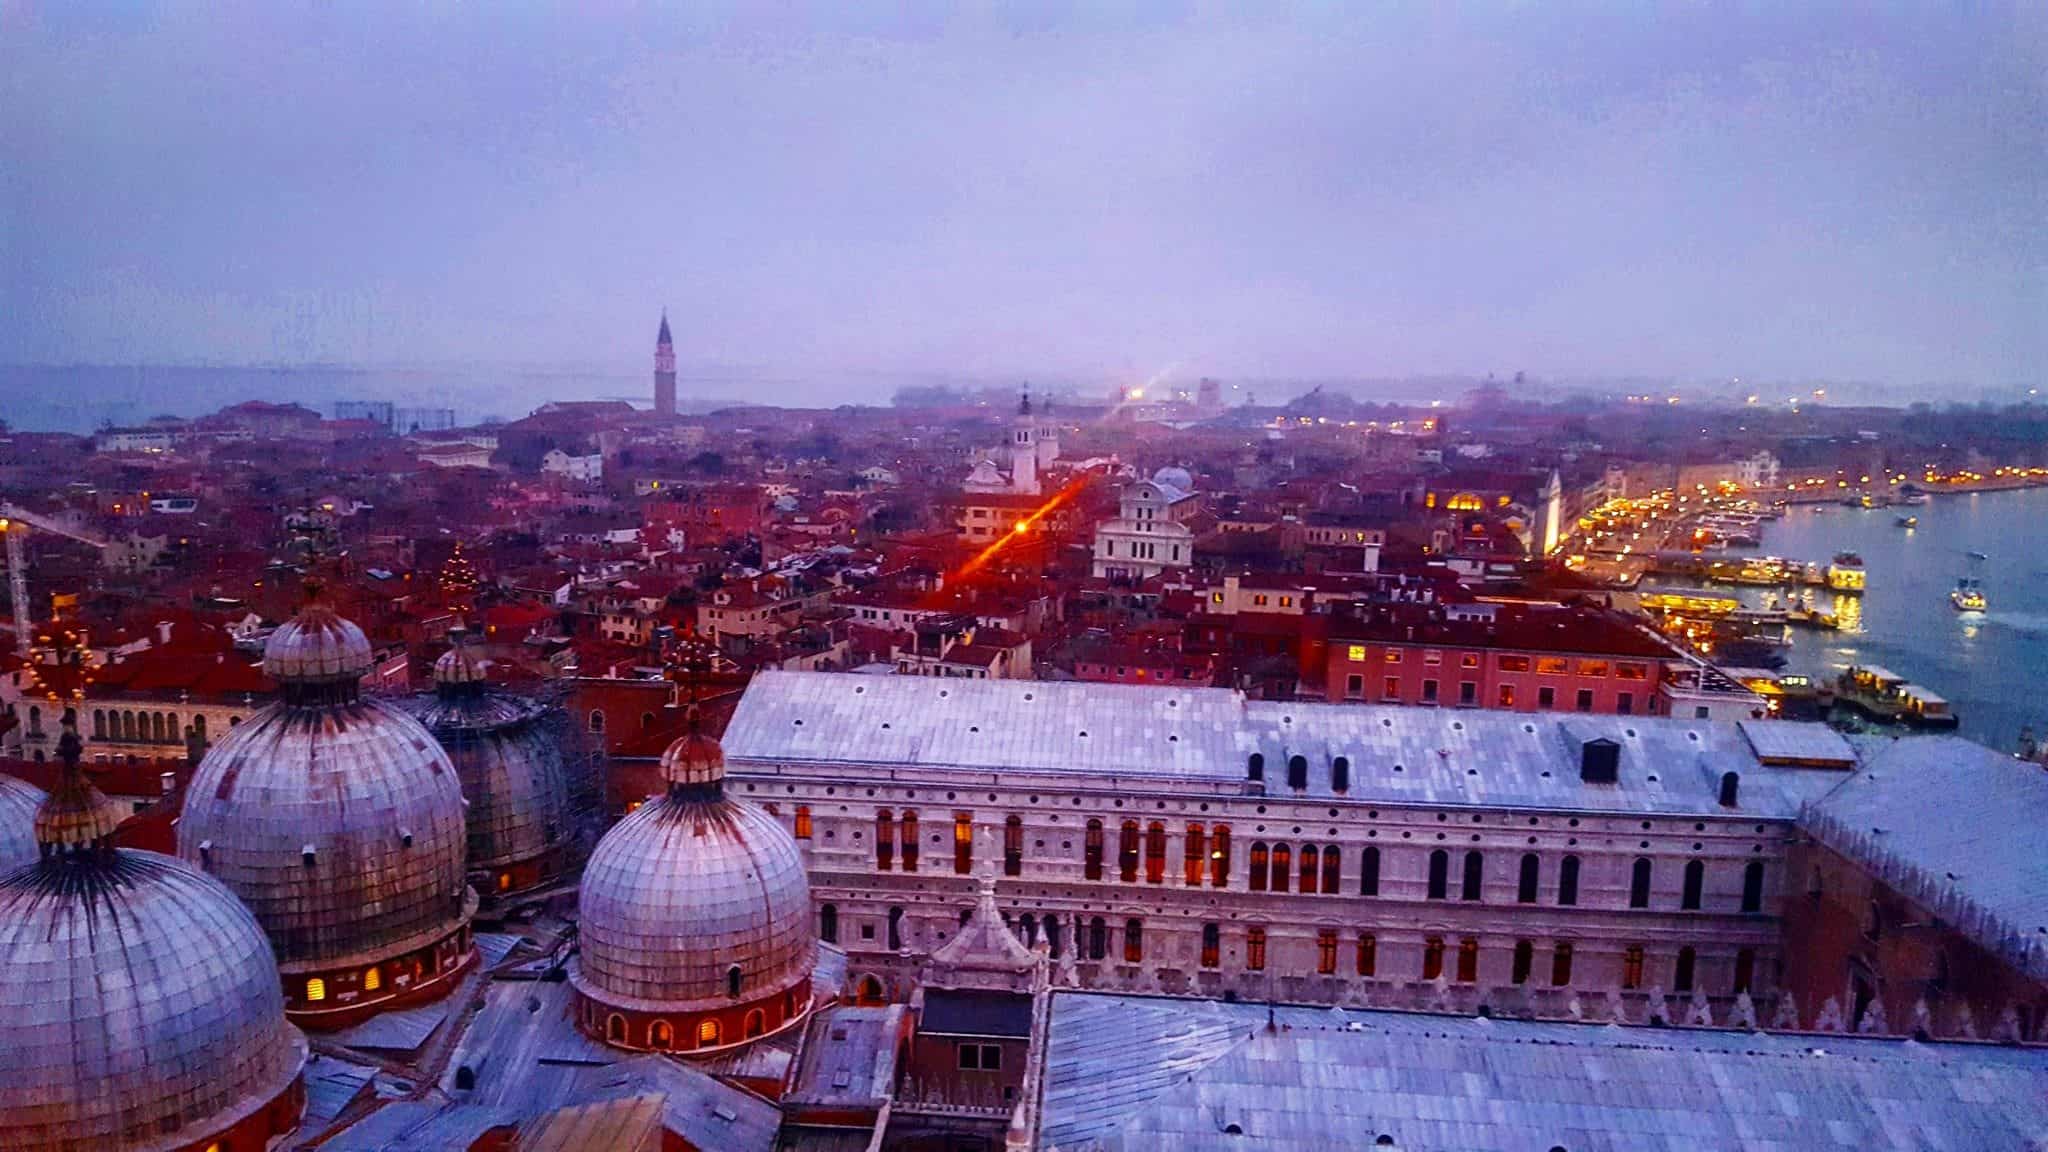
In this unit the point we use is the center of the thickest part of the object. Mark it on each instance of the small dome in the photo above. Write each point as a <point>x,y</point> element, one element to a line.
<point>19,800</point>
<point>139,1007</point>
<point>1176,478</point>
<point>696,759</point>
<point>509,761</point>
<point>316,646</point>
<point>459,665</point>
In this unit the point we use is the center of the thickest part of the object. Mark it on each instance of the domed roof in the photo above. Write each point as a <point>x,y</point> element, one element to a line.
<point>337,820</point>
<point>316,646</point>
<point>140,1009</point>
<point>1174,477</point>
<point>688,887</point>
<point>508,761</point>
<point>459,665</point>
<point>18,802</point>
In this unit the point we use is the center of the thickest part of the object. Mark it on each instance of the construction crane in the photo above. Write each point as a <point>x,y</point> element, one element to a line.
<point>14,525</point>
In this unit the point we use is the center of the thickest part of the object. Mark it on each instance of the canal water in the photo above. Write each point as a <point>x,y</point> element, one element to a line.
<point>1992,668</point>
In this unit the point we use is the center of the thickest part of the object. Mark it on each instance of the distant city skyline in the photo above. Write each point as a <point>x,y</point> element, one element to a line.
<point>1672,194</point>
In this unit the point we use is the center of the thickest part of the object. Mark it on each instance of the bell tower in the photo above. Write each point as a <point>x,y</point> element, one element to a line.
<point>664,371</point>
<point>1024,449</point>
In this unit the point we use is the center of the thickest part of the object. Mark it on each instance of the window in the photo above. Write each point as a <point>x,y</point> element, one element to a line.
<point>1432,658</point>
<point>1585,699</point>
<point>1745,970</point>
<point>732,981</point>
<point>1259,863</point>
<point>1311,867</point>
<point>1639,883</point>
<point>1369,873</point>
<point>757,1020</point>
<point>1546,698</point>
<point>1525,957</point>
<point>803,822</point>
<point>1283,862</point>
<point>1340,774</point>
<point>1127,852</point>
<point>1468,693</point>
<point>1219,858</point>
<point>1561,964</point>
<point>1356,653</point>
<point>1468,660</point>
<point>1731,783</point>
<point>1193,849</point>
<point>1439,874</point>
<point>1297,772</point>
<point>1326,952</point>
<point>316,989</point>
<point>1507,696</point>
<point>1753,886</point>
<point>707,1033</point>
<point>1212,945</point>
<point>1134,941</point>
<point>1513,664</point>
<point>1681,978</point>
<point>1368,959</point>
<point>1255,766</point>
<point>1695,881</point>
<point>895,929</point>
<point>1098,938</point>
<point>1475,867</point>
<point>1155,853</point>
<point>1568,882</point>
<point>885,840</point>
<point>1632,967</point>
<point>1468,961</point>
<point>1631,671</point>
<point>596,721</point>
<point>1625,703</point>
<point>1052,935</point>
<point>1391,688</point>
<point>661,1036</point>
<point>1354,685</point>
<point>1255,949</point>
<point>373,979</point>
<point>963,843</point>
<point>1551,665</point>
<point>1013,846</point>
<point>1525,887</point>
<point>615,1028</point>
<point>1091,851</point>
<point>910,844</point>
<point>828,923</point>
<point>1432,957</point>
<point>1333,869</point>
<point>1429,691</point>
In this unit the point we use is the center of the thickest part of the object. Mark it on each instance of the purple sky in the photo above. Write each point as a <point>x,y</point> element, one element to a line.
<point>1765,190</point>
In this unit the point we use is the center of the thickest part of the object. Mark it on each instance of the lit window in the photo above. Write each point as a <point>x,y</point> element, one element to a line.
<point>316,989</point>
<point>803,822</point>
<point>1326,951</point>
<point>707,1033</point>
<point>1356,652</point>
<point>373,979</point>
<point>1393,656</point>
<point>1255,949</point>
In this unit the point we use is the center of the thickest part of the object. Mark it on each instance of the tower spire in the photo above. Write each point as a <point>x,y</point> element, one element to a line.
<point>664,370</point>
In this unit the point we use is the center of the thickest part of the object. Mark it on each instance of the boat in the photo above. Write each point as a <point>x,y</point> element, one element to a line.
<point>1968,595</point>
<point>1846,573</point>
<point>1978,556</point>
<point>1909,521</point>
<point>1888,698</point>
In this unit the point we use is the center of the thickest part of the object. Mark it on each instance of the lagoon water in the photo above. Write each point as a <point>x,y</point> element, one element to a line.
<point>1993,668</point>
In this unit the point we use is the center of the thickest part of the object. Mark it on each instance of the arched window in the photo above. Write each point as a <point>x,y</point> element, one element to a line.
<point>1695,883</point>
<point>1561,964</point>
<point>803,822</point>
<point>1753,886</point>
<point>1731,782</point>
<point>615,1028</point>
<point>1155,853</point>
<point>732,981</point>
<point>199,726</point>
<point>963,843</point>
<point>1432,957</point>
<point>596,721</point>
<point>870,993</point>
<point>1475,869</point>
<point>646,721</point>
<point>127,723</point>
<point>1212,945</point>
<point>99,724</point>
<point>316,989</point>
<point>1091,858</point>
<point>1219,858</point>
<point>1013,846</point>
<point>1568,881</point>
<point>661,1036</point>
<point>1333,868</point>
<point>1027,929</point>
<point>1259,858</point>
<point>1194,850</point>
<point>757,1023</point>
<point>885,840</point>
<point>707,1033</point>
<point>1368,959</point>
<point>828,923</point>
<point>1311,868</point>
<point>1098,938</point>
<point>1297,772</point>
<point>1639,883</point>
<point>1127,852</point>
<point>1134,941</point>
<point>1340,774</point>
<point>908,835</point>
<point>1255,766</point>
<point>1369,873</point>
<point>1681,979</point>
<point>1525,957</point>
<point>1283,863</point>
<point>1525,887</point>
<point>156,727</point>
<point>1439,874</point>
<point>373,978</point>
<point>895,929</point>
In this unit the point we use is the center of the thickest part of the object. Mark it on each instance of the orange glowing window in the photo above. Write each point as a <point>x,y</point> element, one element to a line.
<point>316,989</point>
<point>373,979</point>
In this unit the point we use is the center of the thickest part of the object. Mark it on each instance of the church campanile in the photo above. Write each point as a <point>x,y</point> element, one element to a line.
<point>664,371</point>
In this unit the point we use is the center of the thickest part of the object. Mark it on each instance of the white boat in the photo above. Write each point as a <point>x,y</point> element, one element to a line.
<point>1968,596</point>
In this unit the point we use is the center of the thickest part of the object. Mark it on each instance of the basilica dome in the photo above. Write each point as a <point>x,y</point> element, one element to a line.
<point>18,802</point>
<point>695,926</point>
<point>139,1004</point>
<point>339,821</point>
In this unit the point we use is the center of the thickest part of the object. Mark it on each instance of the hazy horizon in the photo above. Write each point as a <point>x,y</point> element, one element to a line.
<point>1054,192</point>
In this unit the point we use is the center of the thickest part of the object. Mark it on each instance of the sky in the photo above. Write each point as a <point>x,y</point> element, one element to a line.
<point>1088,190</point>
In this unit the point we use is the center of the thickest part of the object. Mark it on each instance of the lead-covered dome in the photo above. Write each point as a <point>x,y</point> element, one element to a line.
<point>695,915</point>
<point>139,1004</point>
<point>338,820</point>
<point>18,802</point>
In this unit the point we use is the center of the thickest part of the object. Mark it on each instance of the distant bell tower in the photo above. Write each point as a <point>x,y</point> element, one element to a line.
<point>664,371</point>
<point>1024,450</point>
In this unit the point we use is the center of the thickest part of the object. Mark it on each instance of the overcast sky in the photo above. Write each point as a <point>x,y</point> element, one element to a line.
<point>1090,189</point>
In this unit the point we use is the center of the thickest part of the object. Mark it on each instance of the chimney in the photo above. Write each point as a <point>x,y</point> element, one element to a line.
<point>163,632</point>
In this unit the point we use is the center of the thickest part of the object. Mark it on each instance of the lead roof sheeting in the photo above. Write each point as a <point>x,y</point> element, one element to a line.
<point>1135,1073</point>
<point>1430,756</point>
<point>399,1030</point>
<point>1777,740</point>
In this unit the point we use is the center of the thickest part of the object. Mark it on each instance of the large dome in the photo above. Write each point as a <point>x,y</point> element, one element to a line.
<point>337,820</point>
<point>139,1004</point>
<point>697,904</point>
<point>18,802</point>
